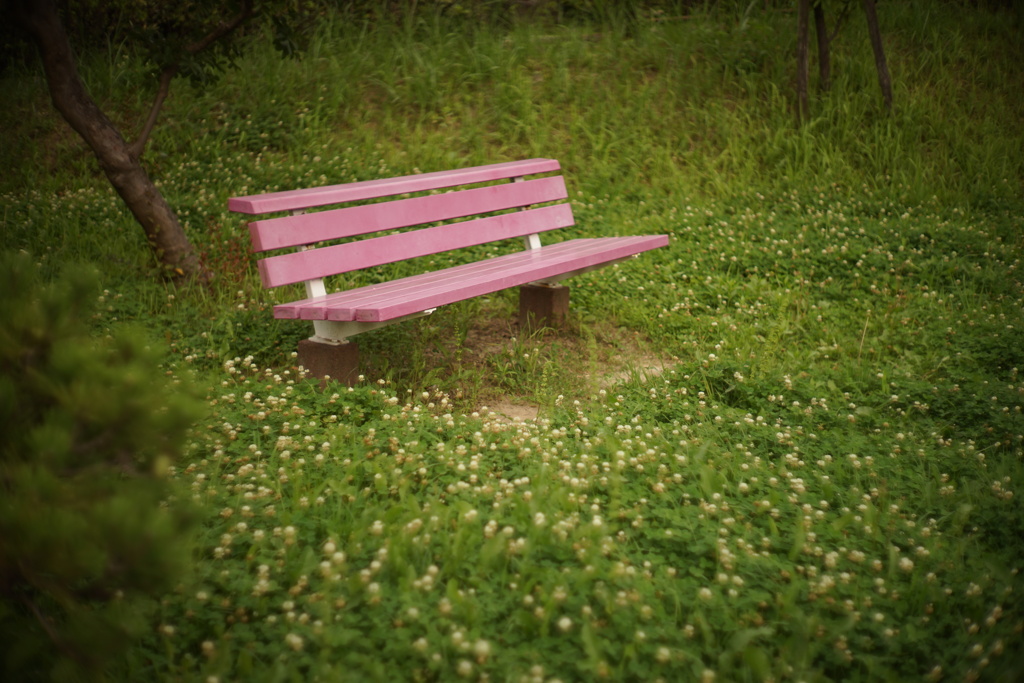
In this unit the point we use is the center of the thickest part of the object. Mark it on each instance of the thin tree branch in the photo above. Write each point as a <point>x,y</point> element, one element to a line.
<point>163,89</point>
<point>839,20</point>
<point>222,29</point>
<point>169,72</point>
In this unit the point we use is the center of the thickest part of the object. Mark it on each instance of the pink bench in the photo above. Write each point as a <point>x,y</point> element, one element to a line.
<point>523,208</point>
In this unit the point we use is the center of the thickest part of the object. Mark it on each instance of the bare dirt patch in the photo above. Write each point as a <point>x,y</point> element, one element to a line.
<point>587,359</point>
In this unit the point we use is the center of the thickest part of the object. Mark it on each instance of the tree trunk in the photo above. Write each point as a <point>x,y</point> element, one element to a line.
<point>824,60</point>
<point>802,101</point>
<point>116,158</point>
<point>876,44</point>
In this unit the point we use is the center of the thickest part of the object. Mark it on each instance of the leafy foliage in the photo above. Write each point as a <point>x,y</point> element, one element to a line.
<point>85,543</point>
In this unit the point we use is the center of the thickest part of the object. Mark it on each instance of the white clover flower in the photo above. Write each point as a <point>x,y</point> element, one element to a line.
<point>705,594</point>
<point>482,648</point>
<point>565,624</point>
<point>294,642</point>
<point>906,564</point>
<point>465,668</point>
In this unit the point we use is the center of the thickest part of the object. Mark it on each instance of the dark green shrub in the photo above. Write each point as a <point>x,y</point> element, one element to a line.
<point>89,428</point>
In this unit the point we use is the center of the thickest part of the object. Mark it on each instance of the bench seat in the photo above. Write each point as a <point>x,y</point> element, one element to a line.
<point>399,298</point>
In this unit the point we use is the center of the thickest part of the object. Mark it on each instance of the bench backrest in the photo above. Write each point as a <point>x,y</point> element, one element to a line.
<point>305,229</point>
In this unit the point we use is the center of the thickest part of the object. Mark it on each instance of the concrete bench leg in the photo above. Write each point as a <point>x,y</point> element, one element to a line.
<point>543,305</point>
<point>338,361</point>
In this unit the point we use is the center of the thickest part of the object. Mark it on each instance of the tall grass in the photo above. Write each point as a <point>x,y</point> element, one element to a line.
<point>697,106</point>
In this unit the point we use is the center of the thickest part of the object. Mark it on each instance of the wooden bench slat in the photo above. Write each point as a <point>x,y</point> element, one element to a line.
<point>342,306</point>
<point>600,250</point>
<point>293,231</point>
<point>387,187</point>
<point>524,263</point>
<point>342,258</point>
<point>429,290</point>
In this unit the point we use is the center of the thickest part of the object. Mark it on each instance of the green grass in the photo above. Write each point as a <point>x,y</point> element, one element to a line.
<point>821,485</point>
